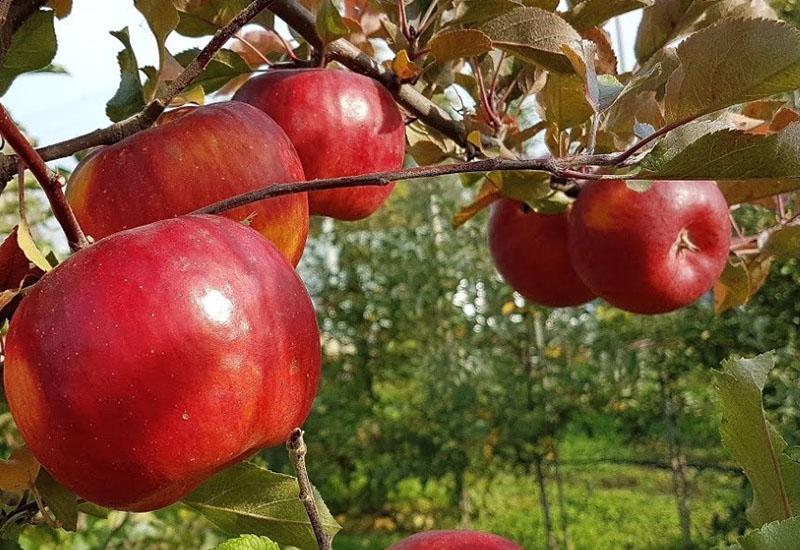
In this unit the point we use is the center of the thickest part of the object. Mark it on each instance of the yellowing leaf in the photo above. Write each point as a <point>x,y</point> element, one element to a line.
<point>485,197</point>
<point>61,8</point>
<point>28,246</point>
<point>458,44</point>
<point>508,308</point>
<point>404,68</point>
<point>19,472</point>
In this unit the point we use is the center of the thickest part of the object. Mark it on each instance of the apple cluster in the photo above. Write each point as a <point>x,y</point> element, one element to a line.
<point>647,252</point>
<point>179,344</point>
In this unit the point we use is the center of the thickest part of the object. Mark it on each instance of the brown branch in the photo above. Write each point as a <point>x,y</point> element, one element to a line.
<point>297,455</point>
<point>5,5</point>
<point>50,181</point>
<point>302,21</point>
<point>385,178</point>
<point>143,120</point>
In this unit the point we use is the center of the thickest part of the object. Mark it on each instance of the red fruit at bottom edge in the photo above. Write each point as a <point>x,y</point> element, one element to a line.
<point>150,360</point>
<point>653,251</point>
<point>342,124</point>
<point>531,253</point>
<point>455,540</point>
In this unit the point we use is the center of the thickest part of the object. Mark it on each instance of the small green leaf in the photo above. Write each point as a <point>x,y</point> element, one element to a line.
<point>458,44</point>
<point>784,243</point>
<point>129,98</point>
<point>772,536</point>
<point>62,503</point>
<point>590,13</point>
<point>33,46</point>
<point>533,35</point>
<point>753,442</point>
<point>329,22</point>
<point>162,18</point>
<point>225,66</point>
<point>248,542</point>
<point>247,499</point>
<point>733,62</point>
<point>524,185</point>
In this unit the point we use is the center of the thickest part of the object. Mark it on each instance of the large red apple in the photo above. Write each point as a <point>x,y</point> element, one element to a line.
<point>145,363</point>
<point>202,155</point>
<point>653,251</point>
<point>531,253</point>
<point>455,540</point>
<point>342,124</point>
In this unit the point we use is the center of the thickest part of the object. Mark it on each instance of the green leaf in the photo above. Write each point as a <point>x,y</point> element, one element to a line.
<point>470,12</point>
<point>32,47</point>
<point>62,503</point>
<point>248,542</point>
<point>129,98</point>
<point>609,89</point>
<point>225,66</point>
<point>563,100</point>
<point>590,13</point>
<point>458,44</point>
<point>524,185</point>
<point>533,35</point>
<point>162,18</point>
<point>667,20</point>
<point>329,22</point>
<point>752,441</point>
<point>772,536</point>
<point>247,499</point>
<point>204,17</point>
<point>725,154</point>
<point>738,192</point>
<point>784,243</point>
<point>732,62</point>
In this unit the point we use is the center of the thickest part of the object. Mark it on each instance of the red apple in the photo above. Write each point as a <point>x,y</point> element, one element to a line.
<point>653,251</point>
<point>148,361</point>
<point>531,253</point>
<point>455,540</point>
<point>191,159</point>
<point>342,124</point>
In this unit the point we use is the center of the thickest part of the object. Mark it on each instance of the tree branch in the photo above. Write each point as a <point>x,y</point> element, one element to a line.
<point>297,455</point>
<point>51,182</point>
<point>385,178</point>
<point>143,120</point>
<point>301,20</point>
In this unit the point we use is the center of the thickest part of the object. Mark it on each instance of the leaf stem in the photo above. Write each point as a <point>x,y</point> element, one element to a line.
<point>297,455</point>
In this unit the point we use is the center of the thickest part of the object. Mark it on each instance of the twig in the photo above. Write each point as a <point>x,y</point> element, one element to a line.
<point>385,178</point>
<point>297,455</point>
<point>143,120</point>
<point>50,181</point>
<point>5,5</point>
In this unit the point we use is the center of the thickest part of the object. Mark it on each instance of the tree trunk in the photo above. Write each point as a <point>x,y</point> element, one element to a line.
<point>677,464</point>
<point>464,501</point>
<point>544,502</point>
<point>562,507</point>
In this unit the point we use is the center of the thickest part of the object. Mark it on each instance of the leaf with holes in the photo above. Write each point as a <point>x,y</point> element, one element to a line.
<point>533,35</point>
<point>247,499</point>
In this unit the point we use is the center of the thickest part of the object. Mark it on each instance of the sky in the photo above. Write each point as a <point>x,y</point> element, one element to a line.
<point>55,107</point>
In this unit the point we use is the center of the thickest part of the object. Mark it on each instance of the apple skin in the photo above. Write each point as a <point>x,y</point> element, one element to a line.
<point>342,124</point>
<point>150,360</point>
<point>455,540</point>
<point>650,252</point>
<point>192,158</point>
<point>531,253</point>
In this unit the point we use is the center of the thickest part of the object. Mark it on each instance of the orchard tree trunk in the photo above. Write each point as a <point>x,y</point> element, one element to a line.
<point>544,502</point>
<point>562,507</point>
<point>464,501</point>
<point>677,464</point>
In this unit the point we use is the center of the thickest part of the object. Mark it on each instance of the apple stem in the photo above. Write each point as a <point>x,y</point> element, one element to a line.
<point>50,181</point>
<point>297,455</point>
